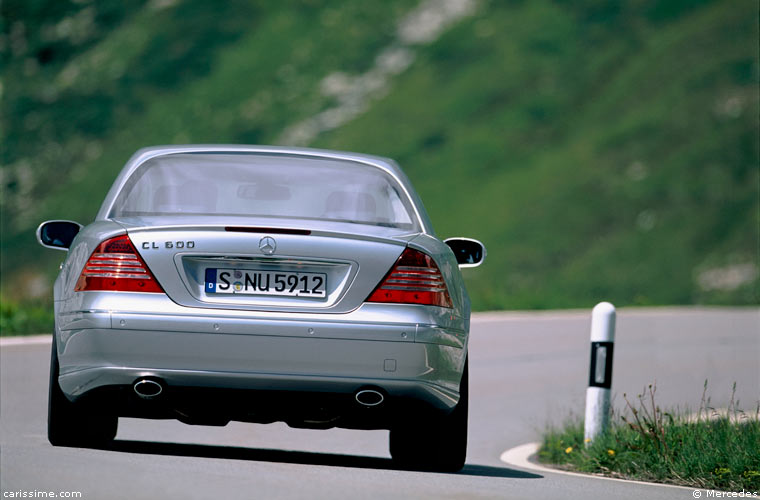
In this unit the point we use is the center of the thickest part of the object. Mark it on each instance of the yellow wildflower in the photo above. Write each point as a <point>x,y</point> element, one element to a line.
<point>568,449</point>
<point>611,453</point>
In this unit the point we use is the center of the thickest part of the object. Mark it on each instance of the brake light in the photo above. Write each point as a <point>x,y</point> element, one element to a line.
<point>414,279</point>
<point>115,265</point>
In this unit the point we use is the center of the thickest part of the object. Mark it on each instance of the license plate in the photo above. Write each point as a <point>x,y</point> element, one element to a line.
<point>256,282</point>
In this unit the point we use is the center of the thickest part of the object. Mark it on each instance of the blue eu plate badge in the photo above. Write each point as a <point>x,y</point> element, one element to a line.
<point>210,280</point>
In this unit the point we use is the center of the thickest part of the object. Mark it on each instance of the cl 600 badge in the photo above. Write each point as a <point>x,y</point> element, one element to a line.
<point>154,245</point>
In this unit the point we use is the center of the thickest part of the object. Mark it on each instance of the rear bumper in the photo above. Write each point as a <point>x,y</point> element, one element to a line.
<point>408,362</point>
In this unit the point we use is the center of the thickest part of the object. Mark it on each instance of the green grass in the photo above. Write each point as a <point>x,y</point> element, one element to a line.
<point>645,443</point>
<point>588,156</point>
<point>601,150</point>
<point>25,318</point>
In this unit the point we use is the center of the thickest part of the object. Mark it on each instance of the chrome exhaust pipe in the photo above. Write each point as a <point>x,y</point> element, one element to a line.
<point>369,397</point>
<point>147,388</point>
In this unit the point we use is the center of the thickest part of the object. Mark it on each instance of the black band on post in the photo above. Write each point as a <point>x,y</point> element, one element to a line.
<point>600,373</point>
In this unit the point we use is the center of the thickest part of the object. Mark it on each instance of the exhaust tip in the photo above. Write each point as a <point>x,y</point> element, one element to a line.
<point>369,397</point>
<point>147,388</point>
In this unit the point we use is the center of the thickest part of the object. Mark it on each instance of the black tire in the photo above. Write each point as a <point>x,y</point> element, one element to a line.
<point>439,442</point>
<point>68,423</point>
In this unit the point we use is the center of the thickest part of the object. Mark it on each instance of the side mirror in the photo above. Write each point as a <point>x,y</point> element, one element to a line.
<point>57,234</point>
<point>468,252</point>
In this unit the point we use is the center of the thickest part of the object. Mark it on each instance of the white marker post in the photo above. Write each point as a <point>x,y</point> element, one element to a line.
<point>600,373</point>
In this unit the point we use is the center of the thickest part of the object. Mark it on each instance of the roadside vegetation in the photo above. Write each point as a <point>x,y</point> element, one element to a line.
<point>26,318</point>
<point>600,150</point>
<point>710,449</point>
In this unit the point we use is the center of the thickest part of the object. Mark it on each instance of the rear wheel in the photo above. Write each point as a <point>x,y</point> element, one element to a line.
<point>438,442</point>
<point>70,424</point>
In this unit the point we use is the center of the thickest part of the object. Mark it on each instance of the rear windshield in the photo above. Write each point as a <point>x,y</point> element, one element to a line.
<point>265,185</point>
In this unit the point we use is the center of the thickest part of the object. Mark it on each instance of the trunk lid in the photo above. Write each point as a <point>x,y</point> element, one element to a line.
<point>265,265</point>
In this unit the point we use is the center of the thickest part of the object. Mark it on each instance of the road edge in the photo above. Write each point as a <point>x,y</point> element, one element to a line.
<point>520,456</point>
<point>25,340</point>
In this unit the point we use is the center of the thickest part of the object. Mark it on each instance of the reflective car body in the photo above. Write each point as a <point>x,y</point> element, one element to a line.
<point>205,342</point>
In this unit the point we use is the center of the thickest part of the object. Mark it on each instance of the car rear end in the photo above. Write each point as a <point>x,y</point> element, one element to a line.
<point>240,299</point>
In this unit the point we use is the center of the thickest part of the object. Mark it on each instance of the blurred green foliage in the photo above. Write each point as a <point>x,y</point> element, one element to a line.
<point>25,318</point>
<point>601,150</point>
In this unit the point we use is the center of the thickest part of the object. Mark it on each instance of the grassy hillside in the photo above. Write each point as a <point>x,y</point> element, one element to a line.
<point>598,153</point>
<point>601,150</point>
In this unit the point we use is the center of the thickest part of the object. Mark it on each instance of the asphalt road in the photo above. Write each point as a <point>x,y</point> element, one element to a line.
<point>526,370</point>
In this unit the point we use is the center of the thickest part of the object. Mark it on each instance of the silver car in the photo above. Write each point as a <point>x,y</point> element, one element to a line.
<point>262,284</point>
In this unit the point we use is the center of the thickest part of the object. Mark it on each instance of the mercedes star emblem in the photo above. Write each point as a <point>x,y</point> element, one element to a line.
<point>267,245</point>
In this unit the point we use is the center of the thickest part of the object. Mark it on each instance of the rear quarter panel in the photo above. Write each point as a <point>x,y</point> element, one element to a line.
<point>81,248</point>
<point>447,263</point>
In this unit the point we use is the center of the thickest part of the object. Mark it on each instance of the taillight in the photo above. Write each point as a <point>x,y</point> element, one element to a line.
<point>414,279</point>
<point>116,265</point>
